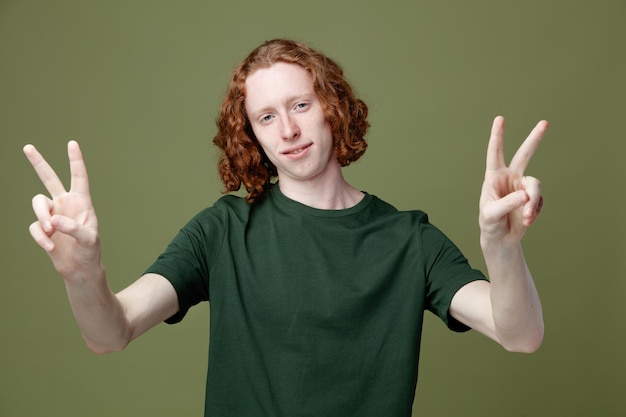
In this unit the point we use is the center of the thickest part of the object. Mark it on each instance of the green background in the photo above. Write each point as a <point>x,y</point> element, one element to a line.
<point>138,84</point>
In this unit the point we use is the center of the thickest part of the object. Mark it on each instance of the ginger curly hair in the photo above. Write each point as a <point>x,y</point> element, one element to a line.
<point>242,159</point>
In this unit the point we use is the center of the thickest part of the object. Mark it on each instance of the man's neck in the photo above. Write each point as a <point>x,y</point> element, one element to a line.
<point>335,194</point>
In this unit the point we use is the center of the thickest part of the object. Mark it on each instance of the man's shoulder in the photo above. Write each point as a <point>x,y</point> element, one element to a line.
<point>227,206</point>
<point>383,207</point>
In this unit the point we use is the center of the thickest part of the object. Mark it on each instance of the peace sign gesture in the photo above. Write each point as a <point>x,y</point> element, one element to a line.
<point>66,226</point>
<point>510,201</point>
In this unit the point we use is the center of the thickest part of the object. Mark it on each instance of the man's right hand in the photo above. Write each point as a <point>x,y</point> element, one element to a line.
<point>67,229</point>
<point>66,226</point>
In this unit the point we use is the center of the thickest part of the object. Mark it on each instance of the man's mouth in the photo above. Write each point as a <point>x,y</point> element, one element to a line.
<point>297,150</point>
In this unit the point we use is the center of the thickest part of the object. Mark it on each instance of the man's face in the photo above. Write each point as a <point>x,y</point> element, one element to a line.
<point>288,120</point>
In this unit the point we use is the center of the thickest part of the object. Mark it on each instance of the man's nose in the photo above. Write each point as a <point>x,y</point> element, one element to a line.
<point>289,128</point>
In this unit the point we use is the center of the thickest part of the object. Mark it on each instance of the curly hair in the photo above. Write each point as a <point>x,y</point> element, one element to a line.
<point>242,159</point>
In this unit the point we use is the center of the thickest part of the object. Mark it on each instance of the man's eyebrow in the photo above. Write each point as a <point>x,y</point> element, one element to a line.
<point>290,99</point>
<point>257,113</point>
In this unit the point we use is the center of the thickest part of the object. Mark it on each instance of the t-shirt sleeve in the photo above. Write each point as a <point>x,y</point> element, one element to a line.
<point>187,260</point>
<point>447,272</point>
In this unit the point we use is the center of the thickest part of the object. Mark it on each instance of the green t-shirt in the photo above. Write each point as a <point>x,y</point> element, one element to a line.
<point>313,312</point>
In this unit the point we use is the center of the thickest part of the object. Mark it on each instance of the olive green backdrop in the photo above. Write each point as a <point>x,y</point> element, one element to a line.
<point>138,83</point>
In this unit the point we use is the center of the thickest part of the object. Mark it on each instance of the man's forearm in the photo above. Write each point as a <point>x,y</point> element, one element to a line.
<point>516,306</point>
<point>99,313</point>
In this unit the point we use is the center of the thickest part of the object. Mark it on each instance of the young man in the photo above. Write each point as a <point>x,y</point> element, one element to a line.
<point>317,289</point>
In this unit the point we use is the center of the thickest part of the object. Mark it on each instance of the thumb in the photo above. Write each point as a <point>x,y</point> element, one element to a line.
<point>68,226</point>
<point>505,205</point>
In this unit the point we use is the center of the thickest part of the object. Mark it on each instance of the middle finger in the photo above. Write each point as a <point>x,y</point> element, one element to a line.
<point>522,157</point>
<point>44,171</point>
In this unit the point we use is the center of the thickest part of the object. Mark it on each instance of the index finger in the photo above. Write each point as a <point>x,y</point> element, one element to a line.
<point>522,157</point>
<point>78,170</point>
<point>44,171</point>
<point>495,149</point>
